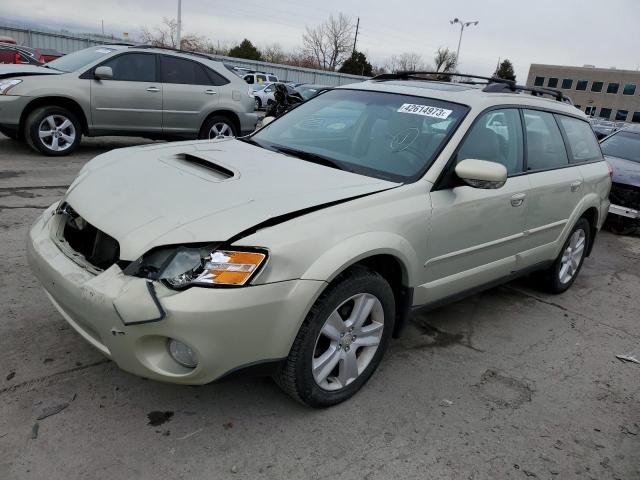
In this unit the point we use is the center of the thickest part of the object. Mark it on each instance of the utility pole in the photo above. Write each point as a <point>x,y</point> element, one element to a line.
<point>462,24</point>
<point>103,28</point>
<point>179,26</point>
<point>356,38</point>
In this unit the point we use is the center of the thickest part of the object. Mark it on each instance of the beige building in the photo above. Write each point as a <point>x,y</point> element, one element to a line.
<point>599,92</point>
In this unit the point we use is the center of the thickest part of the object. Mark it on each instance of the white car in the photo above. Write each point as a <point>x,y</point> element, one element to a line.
<point>303,248</point>
<point>263,94</point>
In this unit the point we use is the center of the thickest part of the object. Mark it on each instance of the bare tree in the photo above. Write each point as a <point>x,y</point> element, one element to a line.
<point>301,59</point>
<point>406,61</point>
<point>444,61</point>
<point>329,43</point>
<point>166,36</point>
<point>273,53</point>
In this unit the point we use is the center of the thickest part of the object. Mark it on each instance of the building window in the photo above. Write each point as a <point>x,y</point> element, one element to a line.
<point>567,83</point>
<point>636,117</point>
<point>581,84</point>
<point>590,111</point>
<point>553,82</point>
<point>629,89</point>
<point>613,88</point>
<point>538,82</point>
<point>597,86</point>
<point>605,113</point>
<point>621,115</point>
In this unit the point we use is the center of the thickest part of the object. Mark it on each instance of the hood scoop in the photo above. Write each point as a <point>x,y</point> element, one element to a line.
<point>202,167</point>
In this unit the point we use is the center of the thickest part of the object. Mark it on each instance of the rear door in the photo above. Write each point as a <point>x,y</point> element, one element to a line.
<point>132,100</point>
<point>191,91</point>
<point>475,234</point>
<point>556,186</point>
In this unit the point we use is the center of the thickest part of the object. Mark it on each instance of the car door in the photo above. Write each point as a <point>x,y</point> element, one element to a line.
<point>475,234</point>
<point>132,99</point>
<point>556,186</point>
<point>190,93</point>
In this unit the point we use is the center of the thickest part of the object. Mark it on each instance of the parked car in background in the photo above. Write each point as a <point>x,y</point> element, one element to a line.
<point>602,127</point>
<point>263,94</point>
<point>622,152</point>
<point>49,54</point>
<point>9,40</point>
<point>303,248</point>
<point>122,90</point>
<point>309,90</point>
<point>259,77</point>
<point>19,55</point>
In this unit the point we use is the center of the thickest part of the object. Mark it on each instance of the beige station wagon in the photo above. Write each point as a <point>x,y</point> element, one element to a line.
<point>303,248</point>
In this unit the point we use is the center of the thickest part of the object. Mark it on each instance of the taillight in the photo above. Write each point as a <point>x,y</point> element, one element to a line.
<point>18,58</point>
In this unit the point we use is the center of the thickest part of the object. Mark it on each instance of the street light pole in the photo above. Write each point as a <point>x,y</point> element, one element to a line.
<point>179,25</point>
<point>462,24</point>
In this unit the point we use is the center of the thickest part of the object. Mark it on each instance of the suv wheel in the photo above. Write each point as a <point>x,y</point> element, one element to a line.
<point>218,127</point>
<point>258,104</point>
<point>54,131</point>
<point>342,340</point>
<point>565,269</point>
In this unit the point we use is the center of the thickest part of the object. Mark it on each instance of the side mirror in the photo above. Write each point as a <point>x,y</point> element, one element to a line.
<point>267,120</point>
<point>482,174</point>
<point>103,73</point>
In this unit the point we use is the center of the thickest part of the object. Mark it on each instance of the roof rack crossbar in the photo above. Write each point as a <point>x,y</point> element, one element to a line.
<point>493,84</point>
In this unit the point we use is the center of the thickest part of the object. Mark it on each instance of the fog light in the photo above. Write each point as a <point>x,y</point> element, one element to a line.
<point>182,353</point>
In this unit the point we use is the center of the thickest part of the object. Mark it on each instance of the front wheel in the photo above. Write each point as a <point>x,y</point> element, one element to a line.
<point>342,340</point>
<point>54,131</point>
<point>218,127</point>
<point>566,267</point>
<point>258,104</point>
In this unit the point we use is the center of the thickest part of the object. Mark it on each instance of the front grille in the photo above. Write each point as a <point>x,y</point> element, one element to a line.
<point>625,195</point>
<point>98,248</point>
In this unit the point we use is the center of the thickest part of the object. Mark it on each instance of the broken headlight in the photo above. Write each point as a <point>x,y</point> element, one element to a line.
<point>206,267</point>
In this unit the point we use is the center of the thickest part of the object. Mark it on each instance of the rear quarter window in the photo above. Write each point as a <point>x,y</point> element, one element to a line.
<point>583,146</point>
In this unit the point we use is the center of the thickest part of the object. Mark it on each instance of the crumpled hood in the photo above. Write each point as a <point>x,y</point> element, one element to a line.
<point>201,191</point>
<point>624,171</point>
<point>8,70</point>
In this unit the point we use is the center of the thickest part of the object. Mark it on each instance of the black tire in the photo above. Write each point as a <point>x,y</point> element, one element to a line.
<point>550,279</point>
<point>38,116</point>
<point>621,225</point>
<point>216,120</point>
<point>258,104</point>
<point>295,375</point>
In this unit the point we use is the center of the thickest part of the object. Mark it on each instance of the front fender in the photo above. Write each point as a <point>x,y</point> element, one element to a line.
<point>358,247</point>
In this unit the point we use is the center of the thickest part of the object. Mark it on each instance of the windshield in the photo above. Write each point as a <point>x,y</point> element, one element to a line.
<point>383,135</point>
<point>76,60</point>
<point>622,145</point>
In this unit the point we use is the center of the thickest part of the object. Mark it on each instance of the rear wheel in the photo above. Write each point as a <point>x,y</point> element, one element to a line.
<point>342,340</point>
<point>258,104</point>
<point>218,126</point>
<point>565,269</point>
<point>54,131</point>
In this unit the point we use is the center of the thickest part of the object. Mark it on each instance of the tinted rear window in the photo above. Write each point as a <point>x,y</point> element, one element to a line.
<point>181,71</point>
<point>582,141</point>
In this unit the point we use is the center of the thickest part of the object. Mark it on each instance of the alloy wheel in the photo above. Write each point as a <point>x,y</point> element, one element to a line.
<point>221,130</point>
<point>57,132</point>
<point>572,256</point>
<point>348,341</point>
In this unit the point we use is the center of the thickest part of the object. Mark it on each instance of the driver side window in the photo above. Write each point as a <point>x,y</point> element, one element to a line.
<point>496,136</point>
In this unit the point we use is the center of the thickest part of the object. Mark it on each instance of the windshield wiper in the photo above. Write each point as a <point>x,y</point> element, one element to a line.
<point>310,157</point>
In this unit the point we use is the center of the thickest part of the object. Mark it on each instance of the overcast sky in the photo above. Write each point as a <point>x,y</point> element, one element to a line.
<point>566,32</point>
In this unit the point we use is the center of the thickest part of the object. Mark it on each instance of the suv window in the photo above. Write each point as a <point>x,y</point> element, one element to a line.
<point>545,147</point>
<point>582,141</point>
<point>133,67</point>
<point>186,72</point>
<point>497,137</point>
<point>216,78</point>
<point>272,78</point>
<point>261,78</point>
<point>248,79</point>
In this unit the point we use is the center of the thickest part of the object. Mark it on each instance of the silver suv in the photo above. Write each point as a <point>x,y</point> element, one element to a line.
<point>306,246</point>
<point>120,90</point>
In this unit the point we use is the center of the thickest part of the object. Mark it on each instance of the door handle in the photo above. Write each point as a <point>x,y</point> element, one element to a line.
<point>210,92</point>
<point>153,89</point>
<point>575,186</point>
<point>518,199</point>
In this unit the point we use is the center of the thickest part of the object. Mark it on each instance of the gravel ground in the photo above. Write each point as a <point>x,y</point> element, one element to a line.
<point>511,383</point>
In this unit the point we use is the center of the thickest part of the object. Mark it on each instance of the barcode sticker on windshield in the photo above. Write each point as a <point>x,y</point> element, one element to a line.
<point>425,110</point>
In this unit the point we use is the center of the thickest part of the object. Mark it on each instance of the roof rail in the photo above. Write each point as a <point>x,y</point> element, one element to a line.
<point>177,50</point>
<point>493,84</point>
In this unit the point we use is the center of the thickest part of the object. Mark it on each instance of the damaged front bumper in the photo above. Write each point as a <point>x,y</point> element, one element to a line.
<point>624,211</point>
<point>131,320</point>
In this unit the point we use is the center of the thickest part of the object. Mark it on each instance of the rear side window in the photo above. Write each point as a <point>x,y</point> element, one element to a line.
<point>248,79</point>
<point>133,67</point>
<point>272,78</point>
<point>545,147</point>
<point>496,137</point>
<point>582,141</point>
<point>216,78</point>
<point>261,78</point>
<point>181,71</point>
